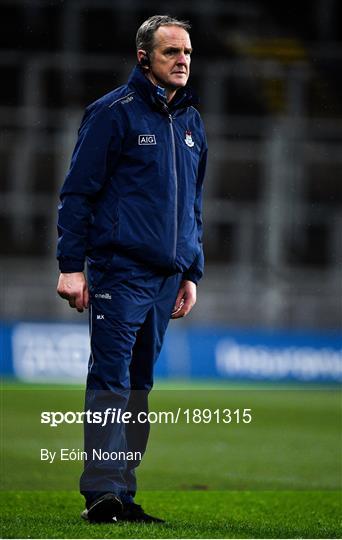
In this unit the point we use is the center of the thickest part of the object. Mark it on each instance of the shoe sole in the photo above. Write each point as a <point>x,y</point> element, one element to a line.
<point>105,510</point>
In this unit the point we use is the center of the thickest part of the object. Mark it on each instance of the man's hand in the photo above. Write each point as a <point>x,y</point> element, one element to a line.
<point>73,287</point>
<point>186,299</point>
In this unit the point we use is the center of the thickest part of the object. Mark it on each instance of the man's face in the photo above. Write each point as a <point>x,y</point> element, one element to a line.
<point>170,58</point>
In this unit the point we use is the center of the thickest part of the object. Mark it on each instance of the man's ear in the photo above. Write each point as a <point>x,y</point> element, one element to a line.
<point>143,58</point>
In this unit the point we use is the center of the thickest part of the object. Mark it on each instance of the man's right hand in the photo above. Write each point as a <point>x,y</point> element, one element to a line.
<point>73,287</point>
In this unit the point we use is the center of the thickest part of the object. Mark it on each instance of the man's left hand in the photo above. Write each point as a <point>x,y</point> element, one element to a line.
<point>186,299</point>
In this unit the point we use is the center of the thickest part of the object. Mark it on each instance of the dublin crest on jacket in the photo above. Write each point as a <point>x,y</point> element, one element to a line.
<point>188,139</point>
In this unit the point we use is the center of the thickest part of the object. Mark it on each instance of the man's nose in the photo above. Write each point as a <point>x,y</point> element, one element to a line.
<point>181,58</point>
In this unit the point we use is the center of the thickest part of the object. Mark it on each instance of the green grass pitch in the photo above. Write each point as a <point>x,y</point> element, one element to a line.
<point>276,477</point>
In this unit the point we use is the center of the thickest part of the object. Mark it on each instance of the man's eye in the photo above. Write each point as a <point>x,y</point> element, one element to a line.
<point>175,53</point>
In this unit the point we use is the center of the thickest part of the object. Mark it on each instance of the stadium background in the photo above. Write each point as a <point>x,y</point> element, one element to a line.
<point>266,331</point>
<point>269,77</point>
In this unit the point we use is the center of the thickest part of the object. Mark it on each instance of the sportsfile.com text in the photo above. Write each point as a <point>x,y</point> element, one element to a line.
<point>117,416</point>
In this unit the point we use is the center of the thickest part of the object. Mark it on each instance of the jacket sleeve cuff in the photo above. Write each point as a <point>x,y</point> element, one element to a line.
<point>188,278</point>
<point>195,272</point>
<point>192,275</point>
<point>68,266</point>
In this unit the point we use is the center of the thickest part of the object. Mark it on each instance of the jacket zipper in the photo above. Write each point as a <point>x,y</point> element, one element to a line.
<point>176,187</point>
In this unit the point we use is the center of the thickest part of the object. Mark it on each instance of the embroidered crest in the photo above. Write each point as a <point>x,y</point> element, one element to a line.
<point>188,139</point>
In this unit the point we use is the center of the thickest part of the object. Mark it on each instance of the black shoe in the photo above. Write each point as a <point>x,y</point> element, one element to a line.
<point>134,512</point>
<point>106,509</point>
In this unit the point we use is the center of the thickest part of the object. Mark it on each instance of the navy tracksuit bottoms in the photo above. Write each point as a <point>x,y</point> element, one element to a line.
<point>130,308</point>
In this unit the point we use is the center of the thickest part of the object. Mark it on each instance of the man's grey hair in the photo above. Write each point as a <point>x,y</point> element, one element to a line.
<point>145,34</point>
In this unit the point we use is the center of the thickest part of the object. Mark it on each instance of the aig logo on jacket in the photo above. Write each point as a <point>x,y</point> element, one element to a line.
<point>146,139</point>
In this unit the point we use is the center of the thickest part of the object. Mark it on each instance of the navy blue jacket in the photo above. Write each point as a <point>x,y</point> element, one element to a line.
<point>135,182</point>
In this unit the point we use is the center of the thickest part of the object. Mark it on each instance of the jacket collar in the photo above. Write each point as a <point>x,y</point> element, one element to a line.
<point>155,95</point>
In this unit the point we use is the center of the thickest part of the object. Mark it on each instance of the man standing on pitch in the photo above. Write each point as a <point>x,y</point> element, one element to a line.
<point>131,207</point>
